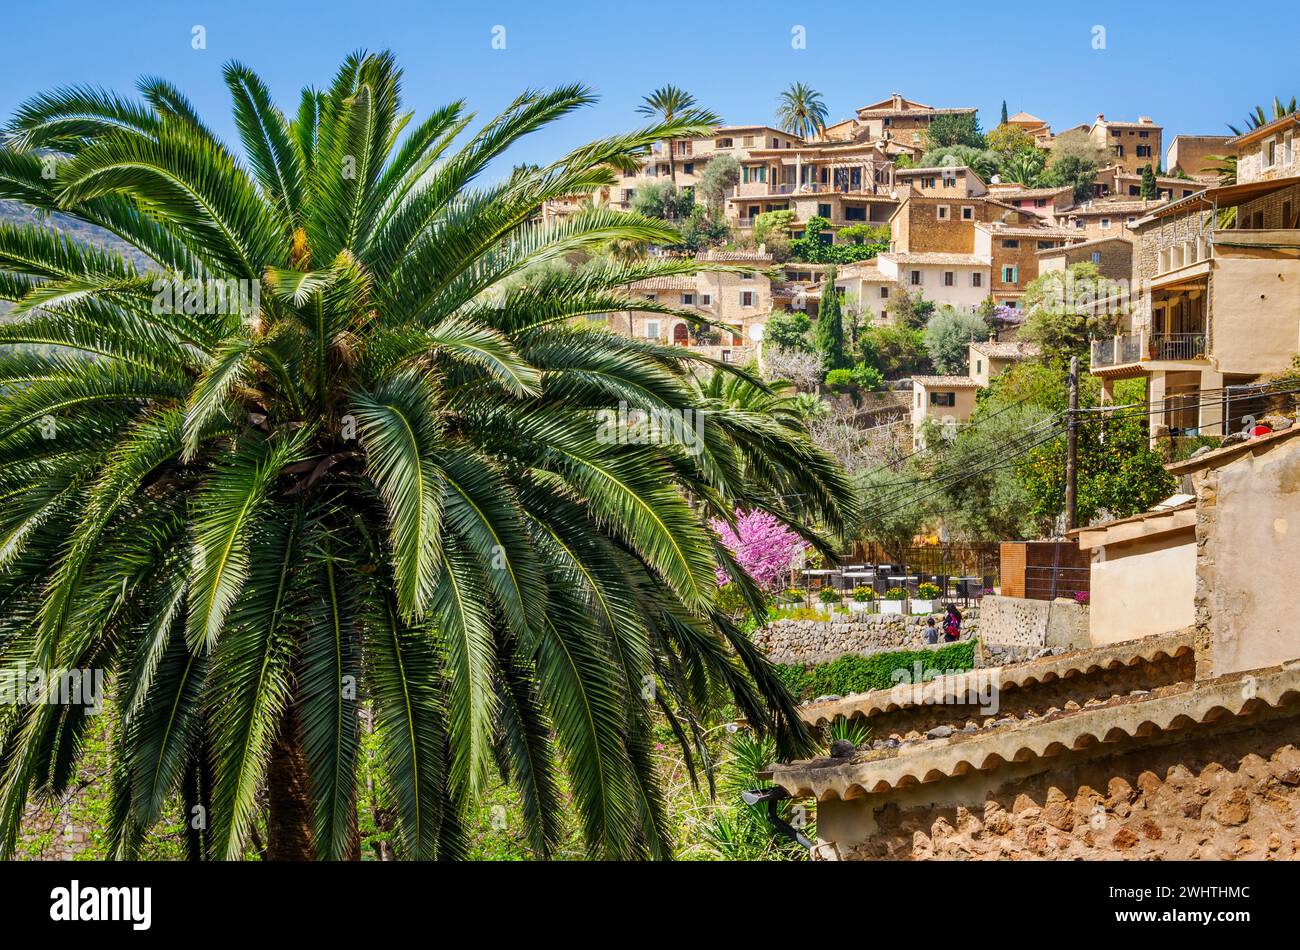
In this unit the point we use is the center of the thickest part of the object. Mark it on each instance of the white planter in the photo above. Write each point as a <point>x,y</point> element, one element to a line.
<point>825,607</point>
<point>891,606</point>
<point>923,606</point>
<point>859,606</point>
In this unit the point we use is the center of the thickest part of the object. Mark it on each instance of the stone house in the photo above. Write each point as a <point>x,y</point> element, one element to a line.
<point>741,302</point>
<point>1213,306</point>
<point>1012,252</point>
<point>942,400</point>
<point>988,358</point>
<point>1134,144</point>
<point>1196,155</point>
<point>1113,257</point>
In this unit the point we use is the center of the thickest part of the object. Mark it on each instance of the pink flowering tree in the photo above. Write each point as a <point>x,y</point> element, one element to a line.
<point>764,547</point>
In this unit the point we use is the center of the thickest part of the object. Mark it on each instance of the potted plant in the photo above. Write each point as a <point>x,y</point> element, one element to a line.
<point>862,599</point>
<point>829,598</point>
<point>927,597</point>
<point>893,602</point>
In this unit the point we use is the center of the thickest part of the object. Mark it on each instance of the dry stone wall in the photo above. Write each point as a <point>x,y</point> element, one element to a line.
<point>820,641</point>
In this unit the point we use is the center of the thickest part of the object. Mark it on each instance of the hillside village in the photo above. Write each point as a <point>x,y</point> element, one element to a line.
<point>1144,209</point>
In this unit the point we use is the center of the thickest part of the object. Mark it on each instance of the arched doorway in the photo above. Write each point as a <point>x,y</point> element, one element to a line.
<point>679,335</point>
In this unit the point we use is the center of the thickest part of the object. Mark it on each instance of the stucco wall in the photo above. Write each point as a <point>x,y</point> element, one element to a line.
<point>1255,312</point>
<point>1248,527</point>
<point>1141,588</point>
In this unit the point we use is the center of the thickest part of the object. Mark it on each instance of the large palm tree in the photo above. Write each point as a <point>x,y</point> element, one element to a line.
<point>669,104</point>
<point>801,111</point>
<point>371,485</point>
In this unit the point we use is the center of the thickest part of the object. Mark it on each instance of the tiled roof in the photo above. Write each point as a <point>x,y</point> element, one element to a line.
<point>1015,676</point>
<point>1154,716</point>
<point>664,283</point>
<point>1114,206</point>
<point>1024,117</point>
<point>935,257</point>
<point>951,382</point>
<point>1026,230</point>
<point>1078,245</point>
<point>1006,349</point>
<point>717,254</point>
<point>1001,190</point>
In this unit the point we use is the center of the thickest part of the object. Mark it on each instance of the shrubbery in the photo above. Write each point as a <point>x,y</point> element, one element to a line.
<point>860,674</point>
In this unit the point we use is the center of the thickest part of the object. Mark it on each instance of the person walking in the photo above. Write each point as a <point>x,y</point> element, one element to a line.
<point>952,624</point>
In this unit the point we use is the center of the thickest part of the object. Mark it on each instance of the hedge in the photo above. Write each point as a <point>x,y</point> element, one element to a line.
<point>852,673</point>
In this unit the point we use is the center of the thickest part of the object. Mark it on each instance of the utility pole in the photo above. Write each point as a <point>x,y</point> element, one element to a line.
<point>1072,450</point>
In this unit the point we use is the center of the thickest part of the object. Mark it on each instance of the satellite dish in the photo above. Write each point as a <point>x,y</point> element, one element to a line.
<point>756,332</point>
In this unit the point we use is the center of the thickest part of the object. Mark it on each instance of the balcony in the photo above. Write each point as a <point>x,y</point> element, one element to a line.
<point>1135,348</point>
<point>1117,351</point>
<point>1177,347</point>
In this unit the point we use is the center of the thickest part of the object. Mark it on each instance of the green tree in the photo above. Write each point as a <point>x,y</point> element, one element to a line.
<point>828,333</point>
<point>1149,190</point>
<point>910,310</point>
<point>373,490</point>
<point>1074,163</point>
<point>721,174</point>
<point>948,336</point>
<point>896,351</point>
<point>1065,310</point>
<point>982,161</point>
<point>954,128</point>
<point>1025,167</point>
<point>1004,112</point>
<point>787,330</point>
<point>893,506</point>
<point>662,200</point>
<point>771,224</point>
<point>669,104</point>
<point>801,111</point>
<point>1007,140</point>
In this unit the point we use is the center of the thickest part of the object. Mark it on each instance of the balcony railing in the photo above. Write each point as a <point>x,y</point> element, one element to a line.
<point>1139,347</point>
<point>1116,351</point>
<point>1177,346</point>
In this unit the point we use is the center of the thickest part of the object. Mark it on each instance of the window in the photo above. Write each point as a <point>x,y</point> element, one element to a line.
<point>1270,153</point>
<point>1130,221</point>
<point>651,296</point>
<point>977,279</point>
<point>967,213</point>
<point>688,168</point>
<point>652,329</point>
<point>823,211</point>
<point>747,298</point>
<point>1096,257</point>
<point>1143,135</point>
<point>1011,243</point>
<point>884,293</point>
<point>747,141</point>
<point>1144,151</point>
<point>943,399</point>
<point>726,356</point>
<point>1046,245</point>
<point>1288,150</point>
<point>916,278</point>
<point>746,276</point>
<point>979,367</point>
<point>855,213</point>
<point>1009,273</point>
<point>1105,224</point>
<point>949,279</point>
<point>706,300</point>
<point>884,314</point>
<point>942,212</point>
<point>724,143</point>
<point>688,300</point>
<point>1040,202</point>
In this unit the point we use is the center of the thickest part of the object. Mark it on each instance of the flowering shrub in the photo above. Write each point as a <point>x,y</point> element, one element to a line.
<point>828,595</point>
<point>928,591</point>
<point>864,595</point>
<point>896,593</point>
<point>1082,598</point>
<point>764,547</point>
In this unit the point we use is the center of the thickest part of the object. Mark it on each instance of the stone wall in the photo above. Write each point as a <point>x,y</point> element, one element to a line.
<point>1232,796</point>
<point>821,641</point>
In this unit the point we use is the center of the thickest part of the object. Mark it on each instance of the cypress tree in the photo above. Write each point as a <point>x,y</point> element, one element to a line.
<point>828,335</point>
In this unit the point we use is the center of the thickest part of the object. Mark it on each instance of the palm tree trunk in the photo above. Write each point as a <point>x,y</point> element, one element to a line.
<point>288,830</point>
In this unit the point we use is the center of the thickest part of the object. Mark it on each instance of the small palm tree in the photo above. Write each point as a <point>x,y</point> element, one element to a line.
<point>374,480</point>
<point>801,111</point>
<point>1025,168</point>
<point>1258,116</point>
<point>669,104</point>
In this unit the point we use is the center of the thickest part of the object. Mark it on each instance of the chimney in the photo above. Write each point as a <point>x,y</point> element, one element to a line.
<point>1145,120</point>
<point>897,101</point>
<point>1100,117</point>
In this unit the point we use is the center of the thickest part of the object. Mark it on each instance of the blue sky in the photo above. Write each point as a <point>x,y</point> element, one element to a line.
<point>1184,64</point>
